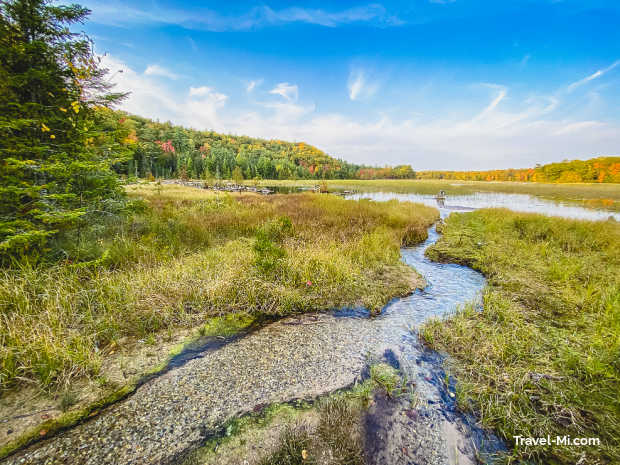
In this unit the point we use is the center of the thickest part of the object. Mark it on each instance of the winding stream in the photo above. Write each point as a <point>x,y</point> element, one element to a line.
<point>296,357</point>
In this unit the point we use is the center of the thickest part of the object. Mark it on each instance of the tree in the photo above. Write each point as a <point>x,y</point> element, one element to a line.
<point>237,175</point>
<point>54,177</point>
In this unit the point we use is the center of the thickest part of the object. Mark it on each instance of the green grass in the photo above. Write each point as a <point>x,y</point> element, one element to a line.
<point>543,356</point>
<point>192,255</point>
<point>605,196</point>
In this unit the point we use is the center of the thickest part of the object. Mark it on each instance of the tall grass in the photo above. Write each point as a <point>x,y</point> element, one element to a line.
<point>543,356</point>
<point>191,255</point>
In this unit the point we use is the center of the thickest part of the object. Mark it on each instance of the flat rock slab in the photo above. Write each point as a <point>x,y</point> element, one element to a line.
<point>171,414</point>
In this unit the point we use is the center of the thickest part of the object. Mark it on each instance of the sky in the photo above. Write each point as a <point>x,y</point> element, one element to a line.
<point>437,84</point>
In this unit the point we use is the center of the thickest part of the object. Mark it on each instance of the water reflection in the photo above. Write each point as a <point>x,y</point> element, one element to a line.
<point>517,202</point>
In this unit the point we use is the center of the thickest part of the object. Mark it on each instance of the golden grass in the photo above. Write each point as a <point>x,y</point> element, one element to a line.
<point>192,255</point>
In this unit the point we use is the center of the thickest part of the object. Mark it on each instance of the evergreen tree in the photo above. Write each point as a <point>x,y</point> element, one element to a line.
<point>53,176</point>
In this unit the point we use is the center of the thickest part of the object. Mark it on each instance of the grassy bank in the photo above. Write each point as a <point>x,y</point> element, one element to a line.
<point>604,196</point>
<point>192,255</point>
<point>542,358</point>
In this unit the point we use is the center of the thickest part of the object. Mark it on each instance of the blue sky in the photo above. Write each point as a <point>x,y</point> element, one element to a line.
<point>438,84</point>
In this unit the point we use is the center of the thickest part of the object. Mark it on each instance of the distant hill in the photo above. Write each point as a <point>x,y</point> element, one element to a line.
<point>151,148</point>
<point>601,169</point>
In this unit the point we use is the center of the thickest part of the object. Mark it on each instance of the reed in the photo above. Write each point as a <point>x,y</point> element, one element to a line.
<point>542,357</point>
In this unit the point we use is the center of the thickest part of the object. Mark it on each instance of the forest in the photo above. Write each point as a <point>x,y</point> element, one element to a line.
<point>163,150</point>
<point>601,169</point>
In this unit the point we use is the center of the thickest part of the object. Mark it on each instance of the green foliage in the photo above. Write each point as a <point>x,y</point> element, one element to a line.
<point>168,151</point>
<point>385,377</point>
<point>53,179</point>
<point>269,253</point>
<point>541,358</point>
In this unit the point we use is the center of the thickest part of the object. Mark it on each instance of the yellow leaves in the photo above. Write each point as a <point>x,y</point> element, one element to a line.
<point>44,128</point>
<point>304,454</point>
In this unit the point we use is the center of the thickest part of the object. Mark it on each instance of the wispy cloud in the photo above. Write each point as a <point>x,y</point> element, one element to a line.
<point>253,85</point>
<point>289,91</point>
<point>524,61</point>
<point>149,97</point>
<point>156,70</point>
<point>592,76</point>
<point>501,93</point>
<point>359,85</point>
<point>115,13</point>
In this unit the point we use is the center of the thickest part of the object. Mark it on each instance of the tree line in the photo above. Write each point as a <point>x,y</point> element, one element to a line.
<point>163,150</point>
<point>601,169</point>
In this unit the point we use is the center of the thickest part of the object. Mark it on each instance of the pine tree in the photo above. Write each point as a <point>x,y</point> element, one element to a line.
<point>52,176</point>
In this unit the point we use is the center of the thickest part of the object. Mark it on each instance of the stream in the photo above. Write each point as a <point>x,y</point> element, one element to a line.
<point>299,357</point>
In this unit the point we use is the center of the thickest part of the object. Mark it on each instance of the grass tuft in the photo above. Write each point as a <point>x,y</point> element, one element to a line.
<point>193,255</point>
<point>542,357</point>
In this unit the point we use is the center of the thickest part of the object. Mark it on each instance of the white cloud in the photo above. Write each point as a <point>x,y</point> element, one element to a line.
<point>253,85</point>
<point>501,93</point>
<point>156,70</point>
<point>149,98</point>
<point>355,86</point>
<point>597,74</point>
<point>289,91</point>
<point>119,14</point>
<point>199,91</point>
<point>359,87</point>
<point>502,133</point>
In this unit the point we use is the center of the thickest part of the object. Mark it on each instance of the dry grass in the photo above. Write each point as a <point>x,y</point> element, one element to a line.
<point>337,439</point>
<point>192,255</point>
<point>543,357</point>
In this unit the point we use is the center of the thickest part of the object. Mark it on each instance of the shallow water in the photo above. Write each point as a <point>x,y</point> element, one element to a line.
<point>517,202</point>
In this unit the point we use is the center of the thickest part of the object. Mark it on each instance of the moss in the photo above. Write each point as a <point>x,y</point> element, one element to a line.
<point>225,326</point>
<point>66,420</point>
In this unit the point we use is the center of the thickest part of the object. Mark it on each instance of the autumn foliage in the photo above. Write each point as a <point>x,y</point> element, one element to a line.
<point>602,169</point>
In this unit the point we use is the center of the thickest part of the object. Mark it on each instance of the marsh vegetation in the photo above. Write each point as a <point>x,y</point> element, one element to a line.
<point>191,255</point>
<point>330,431</point>
<point>541,357</point>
